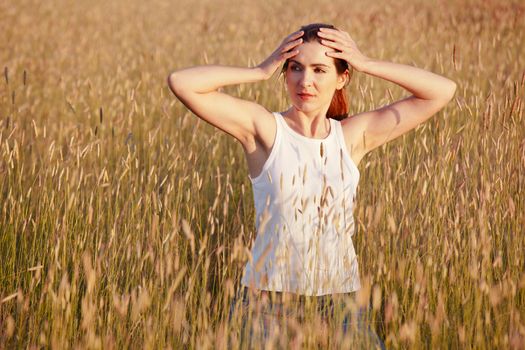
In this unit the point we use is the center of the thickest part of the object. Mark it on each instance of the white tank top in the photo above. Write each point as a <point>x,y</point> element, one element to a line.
<point>304,201</point>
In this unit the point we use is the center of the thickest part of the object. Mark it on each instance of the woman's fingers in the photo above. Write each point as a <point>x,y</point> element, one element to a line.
<point>333,45</point>
<point>291,45</point>
<point>292,41</point>
<point>296,34</point>
<point>334,54</point>
<point>284,51</point>
<point>341,38</point>
<point>344,48</point>
<point>334,33</point>
<point>328,35</point>
<point>293,36</point>
<point>289,54</point>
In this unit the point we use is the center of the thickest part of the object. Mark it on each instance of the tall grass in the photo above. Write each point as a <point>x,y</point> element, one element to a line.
<point>125,221</point>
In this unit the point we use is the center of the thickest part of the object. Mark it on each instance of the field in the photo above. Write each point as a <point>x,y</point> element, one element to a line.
<point>125,221</point>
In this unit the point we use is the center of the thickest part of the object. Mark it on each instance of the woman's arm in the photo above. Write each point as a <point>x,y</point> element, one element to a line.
<point>204,79</point>
<point>196,87</point>
<point>421,83</point>
<point>430,93</point>
<point>369,130</point>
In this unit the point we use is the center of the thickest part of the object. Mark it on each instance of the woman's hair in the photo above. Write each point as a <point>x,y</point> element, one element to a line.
<point>339,106</point>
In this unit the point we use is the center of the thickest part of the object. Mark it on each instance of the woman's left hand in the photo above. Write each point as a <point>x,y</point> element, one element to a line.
<point>346,47</point>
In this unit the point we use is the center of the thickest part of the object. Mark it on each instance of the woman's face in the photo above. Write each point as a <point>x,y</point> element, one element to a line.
<point>312,78</point>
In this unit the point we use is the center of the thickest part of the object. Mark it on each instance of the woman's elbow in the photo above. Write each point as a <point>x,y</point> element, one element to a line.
<point>178,84</point>
<point>451,91</point>
<point>446,93</point>
<point>174,83</point>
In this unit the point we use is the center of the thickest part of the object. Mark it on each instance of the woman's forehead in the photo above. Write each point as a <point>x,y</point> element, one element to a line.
<point>313,53</point>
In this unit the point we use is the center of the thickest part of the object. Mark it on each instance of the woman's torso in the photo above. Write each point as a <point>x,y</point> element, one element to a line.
<point>304,197</point>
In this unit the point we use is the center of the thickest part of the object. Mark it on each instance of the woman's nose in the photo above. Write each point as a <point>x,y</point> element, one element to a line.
<point>306,79</point>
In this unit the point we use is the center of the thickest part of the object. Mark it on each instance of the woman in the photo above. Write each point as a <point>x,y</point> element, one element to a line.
<point>303,161</point>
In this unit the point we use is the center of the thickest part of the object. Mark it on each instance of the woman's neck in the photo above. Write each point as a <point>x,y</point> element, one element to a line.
<point>313,125</point>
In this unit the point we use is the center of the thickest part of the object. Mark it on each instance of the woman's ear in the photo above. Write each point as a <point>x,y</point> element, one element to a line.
<point>343,80</point>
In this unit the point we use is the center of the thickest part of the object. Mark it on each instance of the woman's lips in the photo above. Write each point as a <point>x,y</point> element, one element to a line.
<point>305,96</point>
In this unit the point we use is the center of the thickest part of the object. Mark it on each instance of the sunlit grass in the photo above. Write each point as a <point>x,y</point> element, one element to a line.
<point>125,221</point>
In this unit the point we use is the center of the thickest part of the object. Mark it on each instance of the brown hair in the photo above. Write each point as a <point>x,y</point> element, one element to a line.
<point>339,106</point>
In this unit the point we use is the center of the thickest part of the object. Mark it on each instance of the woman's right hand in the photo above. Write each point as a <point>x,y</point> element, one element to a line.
<point>286,50</point>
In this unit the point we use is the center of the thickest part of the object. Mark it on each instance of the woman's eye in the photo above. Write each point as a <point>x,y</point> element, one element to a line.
<point>298,68</point>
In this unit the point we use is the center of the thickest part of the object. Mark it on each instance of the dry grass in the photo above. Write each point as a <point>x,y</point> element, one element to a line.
<point>126,222</point>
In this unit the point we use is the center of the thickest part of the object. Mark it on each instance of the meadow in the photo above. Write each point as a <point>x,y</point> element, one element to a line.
<point>125,221</point>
